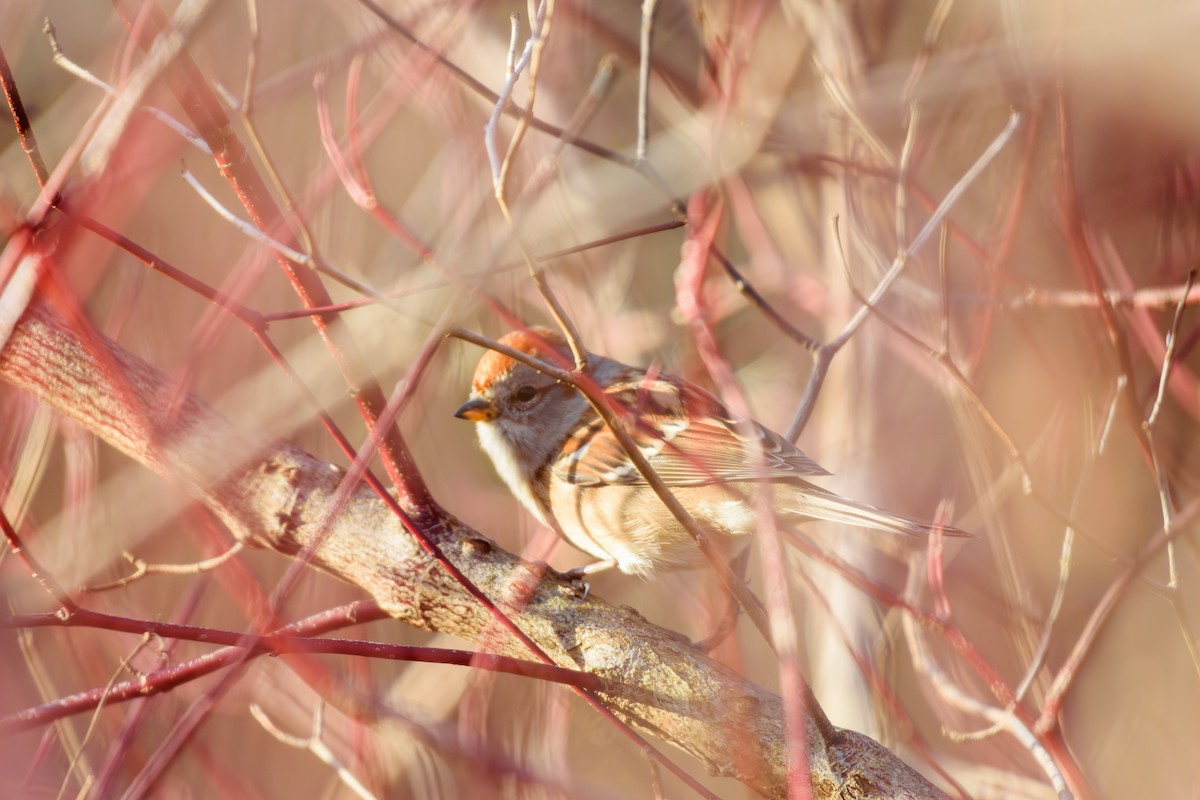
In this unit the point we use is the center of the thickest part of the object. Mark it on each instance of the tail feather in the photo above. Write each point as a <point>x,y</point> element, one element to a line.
<point>824,505</point>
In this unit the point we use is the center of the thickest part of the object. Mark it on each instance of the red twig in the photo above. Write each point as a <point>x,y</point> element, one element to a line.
<point>66,606</point>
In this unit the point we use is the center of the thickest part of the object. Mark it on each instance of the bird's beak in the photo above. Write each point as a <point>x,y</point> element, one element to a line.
<point>476,410</point>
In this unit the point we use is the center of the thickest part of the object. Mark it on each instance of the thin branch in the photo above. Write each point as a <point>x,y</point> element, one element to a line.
<point>20,116</point>
<point>779,628</point>
<point>824,355</point>
<point>487,94</point>
<point>756,299</point>
<point>531,59</point>
<point>1112,597</point>
<point>66,605</point>
<point>1001,718</point>
<point>70,67</point>
<point>313,743</point>
<point>299,637</point>
<point>142,568</point>
<point>644,43</point>
<point>1170,341</point>
<point>293,255</point>
<point>95,717</point>
<point>513,69</point>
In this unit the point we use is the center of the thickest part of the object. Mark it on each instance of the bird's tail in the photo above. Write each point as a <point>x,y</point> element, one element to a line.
<point>817,503</point>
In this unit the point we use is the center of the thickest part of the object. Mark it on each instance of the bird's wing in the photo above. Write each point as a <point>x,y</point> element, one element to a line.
<point>687,436</point>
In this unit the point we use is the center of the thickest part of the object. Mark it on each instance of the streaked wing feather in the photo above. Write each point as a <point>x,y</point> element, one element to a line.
<point>687,436</point>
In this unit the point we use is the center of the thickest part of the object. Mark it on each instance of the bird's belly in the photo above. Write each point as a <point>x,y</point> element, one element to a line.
<point>631,525</point>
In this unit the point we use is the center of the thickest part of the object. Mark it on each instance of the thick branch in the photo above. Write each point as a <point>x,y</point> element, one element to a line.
<point>275,495</point>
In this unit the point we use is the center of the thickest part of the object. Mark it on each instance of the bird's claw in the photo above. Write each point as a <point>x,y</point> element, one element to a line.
<point>578,576</point>
<point>578,579</point>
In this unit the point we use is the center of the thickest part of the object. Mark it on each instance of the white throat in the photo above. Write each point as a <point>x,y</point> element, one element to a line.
<point>504,457</point>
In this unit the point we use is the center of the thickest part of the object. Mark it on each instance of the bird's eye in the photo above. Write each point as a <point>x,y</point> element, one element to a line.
<point>525,394</point>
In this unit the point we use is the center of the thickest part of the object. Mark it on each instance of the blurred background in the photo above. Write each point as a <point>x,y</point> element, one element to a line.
<point>1012,377</point>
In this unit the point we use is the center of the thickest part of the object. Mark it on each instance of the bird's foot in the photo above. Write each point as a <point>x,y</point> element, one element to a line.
<point>577,577</point>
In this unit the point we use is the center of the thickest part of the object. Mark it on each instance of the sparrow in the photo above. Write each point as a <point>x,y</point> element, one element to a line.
<point>562,462</point>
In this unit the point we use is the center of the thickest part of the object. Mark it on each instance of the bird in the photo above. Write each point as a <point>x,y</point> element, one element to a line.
<point>564,464</point>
